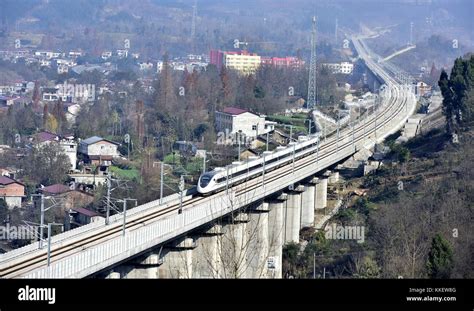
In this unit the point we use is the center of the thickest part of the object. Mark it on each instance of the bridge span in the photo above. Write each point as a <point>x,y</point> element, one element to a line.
<point>301,185</point>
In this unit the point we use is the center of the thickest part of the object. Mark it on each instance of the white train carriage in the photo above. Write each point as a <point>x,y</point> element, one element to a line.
<point>221,178</point>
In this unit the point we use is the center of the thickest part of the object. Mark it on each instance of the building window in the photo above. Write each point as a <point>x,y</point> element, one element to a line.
<point>254,127</point>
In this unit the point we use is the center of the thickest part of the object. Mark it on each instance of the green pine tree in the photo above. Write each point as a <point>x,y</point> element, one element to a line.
<point>440,258</point>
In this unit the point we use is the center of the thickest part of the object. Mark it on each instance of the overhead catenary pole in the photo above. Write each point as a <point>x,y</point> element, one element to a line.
<point>238,142</point>
<point>161,181</point>
<point>317,152</point>
<point>49,241</point>
<point>204,162</point>
<point>294,147</point>
<point>124,216</point>
<point>314,265</point>
<point>375,127</point>
<point>41,222</point>
<point>181,189</point>
<point>353,135</point>
<point>49,244</point>
<point>108,200</point>
<point>227,180</point>
<point>309,126</point>
<point>267,141</point>
<point>338,123</point>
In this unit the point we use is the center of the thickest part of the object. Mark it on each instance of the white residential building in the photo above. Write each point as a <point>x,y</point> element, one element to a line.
<point>99,150</point>
<point>66,143</point>
<point>235,120</point>
<point>343,68</point>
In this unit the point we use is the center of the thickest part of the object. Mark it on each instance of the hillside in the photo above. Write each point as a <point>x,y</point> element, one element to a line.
<point>401,222</point>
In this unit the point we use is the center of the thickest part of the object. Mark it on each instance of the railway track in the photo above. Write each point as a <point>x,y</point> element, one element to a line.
<point>22,264</point>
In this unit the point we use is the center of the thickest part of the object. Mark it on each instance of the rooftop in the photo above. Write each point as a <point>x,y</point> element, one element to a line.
<point>7,181</point>
<point>45,136</point>
<point>95,139</point>
<point>234,111</point>
<point>86,212</point>
<point>56,189</point>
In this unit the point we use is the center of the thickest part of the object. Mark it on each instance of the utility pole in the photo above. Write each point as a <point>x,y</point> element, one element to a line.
<point>49,240</point>
<point>227,180</point>
<point>365,122</point>
<point>238,141</point>
<point>162,175</point>
<point>42,211</point>
<point>317,152</point>
<point>267,141</point>
<point>181,187</point>
<point>204,162</point>
<point>314,265</point>
<point>108,199</point>
<point>309,126</point>
<point>124,216</point>
<point>294,149</point>
<point>125,212</point>
<point>375,125</point>
<point>338,123</point>
<point>41,222</point>
<point>353,135</point>
<point>324,130</point>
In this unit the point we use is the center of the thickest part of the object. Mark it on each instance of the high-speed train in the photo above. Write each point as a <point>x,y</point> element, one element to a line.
<point>222,178</point>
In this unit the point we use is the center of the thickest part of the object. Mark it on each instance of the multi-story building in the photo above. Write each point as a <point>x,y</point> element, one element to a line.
<point>246,62</point>
<point>347,68</point>
<point>235,120</point>
<point>242,61</point>
<point>99,151</point>
<point>48,54</point>
<point>421,88</point>
<point>11,191</point>
<point>290,61</point>
<point>66,143</point>
<point>343,67</point>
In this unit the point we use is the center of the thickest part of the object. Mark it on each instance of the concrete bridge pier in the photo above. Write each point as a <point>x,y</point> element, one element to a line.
<point>206,256</point>
<point>146,267</point>
<point>292,216</point>
<point>276,233</point>
<point>321,193</point>
<point>333,178</point>
<point>177,261</point>
<point>113,275</point>
<point>308,206</point>
<point>234,246</point>
<point>258,241</point>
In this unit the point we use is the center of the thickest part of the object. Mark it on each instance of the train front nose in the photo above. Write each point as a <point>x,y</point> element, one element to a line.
<point>204,181</point>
